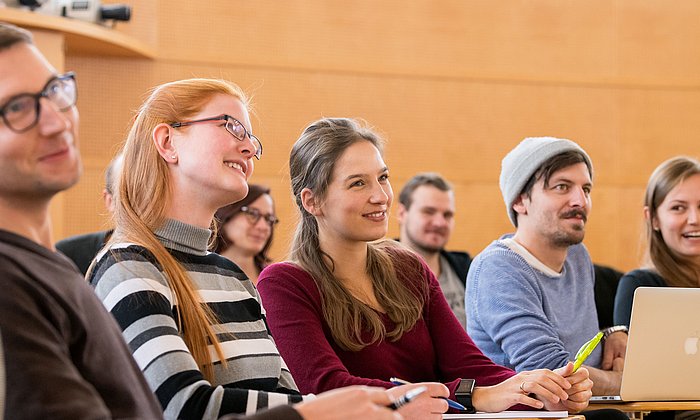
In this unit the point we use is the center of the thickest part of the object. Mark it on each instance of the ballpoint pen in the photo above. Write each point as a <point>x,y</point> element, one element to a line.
<point>452,404</point>
<point>407,397</point>
<point>586,350</point>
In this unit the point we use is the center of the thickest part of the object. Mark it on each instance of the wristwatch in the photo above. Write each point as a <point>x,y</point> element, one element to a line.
<point>613,329</point>
<point>463,394</point>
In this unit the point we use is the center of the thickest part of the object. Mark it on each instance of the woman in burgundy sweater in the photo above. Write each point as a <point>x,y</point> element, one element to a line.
<point>349,311</point>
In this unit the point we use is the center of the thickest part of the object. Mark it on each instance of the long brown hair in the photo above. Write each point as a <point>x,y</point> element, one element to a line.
<point>676,270</point>
<point>311,166</point>
<point>144,185</point>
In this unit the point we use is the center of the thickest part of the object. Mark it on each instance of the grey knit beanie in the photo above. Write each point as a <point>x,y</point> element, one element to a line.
<point>523,161</point>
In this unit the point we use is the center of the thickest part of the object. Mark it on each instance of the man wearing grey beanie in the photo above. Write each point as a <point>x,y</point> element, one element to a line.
<point>530,295</point>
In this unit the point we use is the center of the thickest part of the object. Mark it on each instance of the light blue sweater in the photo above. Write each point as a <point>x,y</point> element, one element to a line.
<point>525,319</point>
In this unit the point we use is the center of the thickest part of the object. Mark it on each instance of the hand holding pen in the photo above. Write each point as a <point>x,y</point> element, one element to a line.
<point>429,405</point>
<point>452,404</point>
<point>407,397</point>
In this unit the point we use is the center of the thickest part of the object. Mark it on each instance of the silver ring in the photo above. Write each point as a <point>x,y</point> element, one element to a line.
<point>522,388</point>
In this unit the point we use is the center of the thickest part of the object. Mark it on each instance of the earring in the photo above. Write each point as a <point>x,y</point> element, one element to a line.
<point>173,157</point>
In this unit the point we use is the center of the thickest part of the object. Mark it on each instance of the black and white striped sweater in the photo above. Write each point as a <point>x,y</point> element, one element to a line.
<point>134,289</point>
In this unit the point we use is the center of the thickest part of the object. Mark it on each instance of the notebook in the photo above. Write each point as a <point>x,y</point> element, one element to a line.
<point>663,349</point>
<point>510,415</point>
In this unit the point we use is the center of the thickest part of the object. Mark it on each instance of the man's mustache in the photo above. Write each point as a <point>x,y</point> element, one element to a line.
<point>575,213</point>
<point>441,231</point>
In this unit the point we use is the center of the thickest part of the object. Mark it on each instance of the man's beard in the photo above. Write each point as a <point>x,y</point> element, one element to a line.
<point>561,239</point>
<point>421,246</point>
<point>564,239</point>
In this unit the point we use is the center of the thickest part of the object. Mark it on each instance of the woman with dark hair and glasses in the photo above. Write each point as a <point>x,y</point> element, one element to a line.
<point>244,230</point>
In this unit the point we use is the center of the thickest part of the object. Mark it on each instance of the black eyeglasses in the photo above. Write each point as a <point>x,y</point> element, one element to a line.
<point>254,215</point>
<point>22,112</point>
<point>233,126</point>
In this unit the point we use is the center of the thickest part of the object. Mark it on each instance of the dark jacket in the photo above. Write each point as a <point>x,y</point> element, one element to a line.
<point>82,249</point>
<point>606,281</point>
<point>459,261</point>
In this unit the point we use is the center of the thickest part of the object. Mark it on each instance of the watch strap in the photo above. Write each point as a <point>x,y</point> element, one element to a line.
<point>464,393</point>
<point>616,328</point>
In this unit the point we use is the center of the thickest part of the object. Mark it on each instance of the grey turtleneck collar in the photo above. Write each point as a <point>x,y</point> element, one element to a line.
<point>183,237</point>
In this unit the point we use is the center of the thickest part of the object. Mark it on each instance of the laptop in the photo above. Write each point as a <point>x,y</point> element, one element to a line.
<point>663,349</point>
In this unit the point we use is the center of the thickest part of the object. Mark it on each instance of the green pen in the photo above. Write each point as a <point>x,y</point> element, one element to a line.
<point>586,350</point>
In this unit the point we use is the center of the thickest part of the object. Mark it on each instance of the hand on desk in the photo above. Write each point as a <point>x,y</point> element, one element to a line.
<point>607,382</point>
<point>542,388</point>
<point>614,347</point>
<point>426,405</point>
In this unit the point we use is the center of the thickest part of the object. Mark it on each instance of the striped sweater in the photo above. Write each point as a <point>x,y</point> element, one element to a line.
<point>134,289</point>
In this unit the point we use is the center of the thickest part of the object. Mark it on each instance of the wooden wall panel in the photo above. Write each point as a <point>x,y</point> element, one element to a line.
<point>655,125</point>
<point>85,200</point>
<point>448,38</point>
<point>614,231</point>
<point>602,41</point>
<point>453,85</point>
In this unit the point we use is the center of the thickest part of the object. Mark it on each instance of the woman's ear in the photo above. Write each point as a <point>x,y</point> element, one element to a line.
<point>310,202</point>
<point>163,141</point>
<point>649,218</point>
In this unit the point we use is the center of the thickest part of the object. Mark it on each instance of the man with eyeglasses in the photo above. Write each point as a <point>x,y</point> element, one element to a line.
<point>65,354</point>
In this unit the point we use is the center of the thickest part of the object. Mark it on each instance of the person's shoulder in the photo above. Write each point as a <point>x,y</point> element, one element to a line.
<point>496,253</point>
<point>19,251</point>
<point>12,244</point>
<point>92,239</point>
<point>285,271</point>
<point>124,260</point>
<point>223,264</point>
<point>500,268</point>
<point>283,267</point>
<point>398,251</point>
<point>286,277</point>
<point>457,255</point>
<point>125,251</point>
<point>607,273</point>
<point>459,260</point>
<point>498,245</point>
<point>31,271</point>
<point>406,262</point>
<point>643,277</point>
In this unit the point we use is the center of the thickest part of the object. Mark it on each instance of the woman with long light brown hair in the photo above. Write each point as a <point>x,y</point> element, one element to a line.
<point>193,320</point>
<point>368,311</point>
<point>672,224</point>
